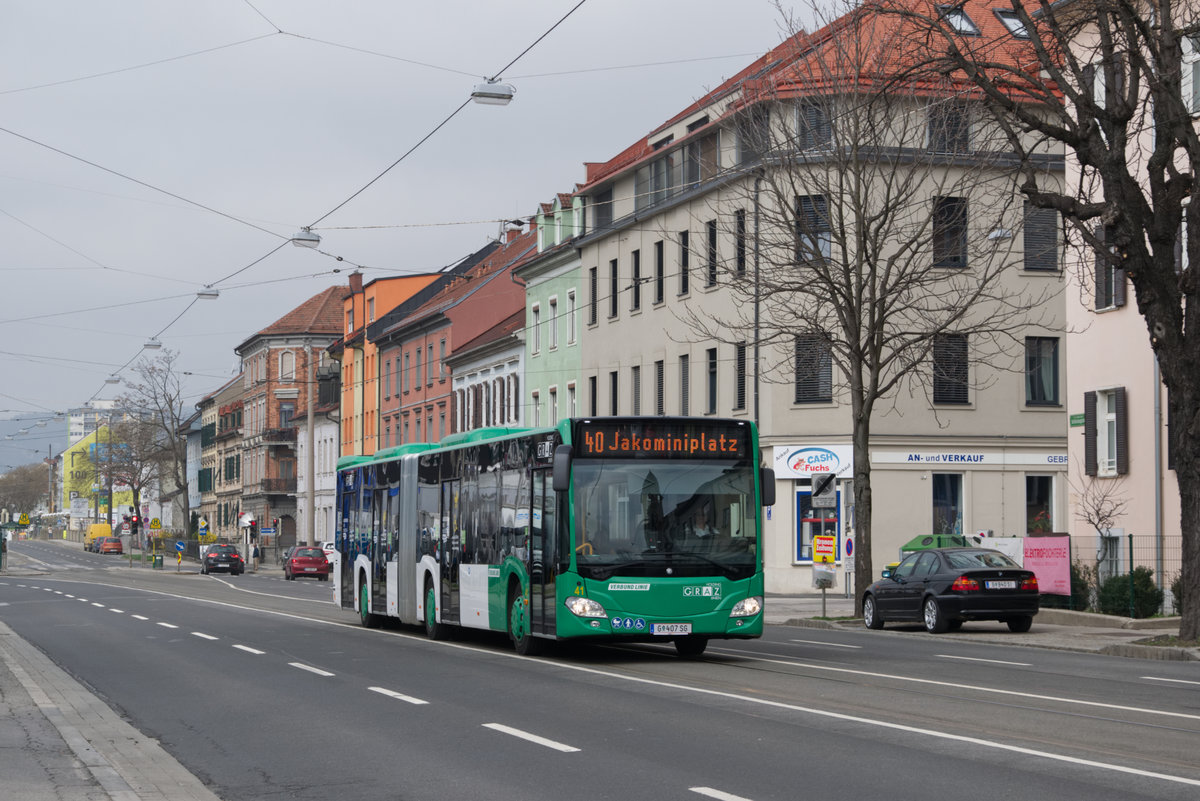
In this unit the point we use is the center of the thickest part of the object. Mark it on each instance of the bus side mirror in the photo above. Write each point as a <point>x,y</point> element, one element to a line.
<point>562,468</point>
<point>766,480</point>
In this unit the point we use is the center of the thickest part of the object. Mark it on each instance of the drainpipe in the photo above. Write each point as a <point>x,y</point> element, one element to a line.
<point>757,184</point>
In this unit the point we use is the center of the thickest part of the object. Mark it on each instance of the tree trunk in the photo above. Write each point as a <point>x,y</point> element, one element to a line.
<point>863,572</point>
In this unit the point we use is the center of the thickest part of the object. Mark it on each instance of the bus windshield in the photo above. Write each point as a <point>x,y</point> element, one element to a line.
<point>674,517</point>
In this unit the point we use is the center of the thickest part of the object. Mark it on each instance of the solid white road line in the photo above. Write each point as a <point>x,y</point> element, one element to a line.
<point>1176,681</point>
<point>818,642</point>
<point>533,738</point>
<point>310,669</point>
<point>408,699</point>
<point>249,650</point>
<point>977,659</point>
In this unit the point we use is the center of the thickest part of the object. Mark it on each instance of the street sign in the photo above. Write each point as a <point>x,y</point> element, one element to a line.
<point>824,548</point>
<point>155,523</point>
<point>24,521</point>
<point>267,530</point>
<point>180,546</point>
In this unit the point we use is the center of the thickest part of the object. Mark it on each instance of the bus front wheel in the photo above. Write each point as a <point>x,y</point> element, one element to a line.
<point>519,629</point>
<point>690,647</point>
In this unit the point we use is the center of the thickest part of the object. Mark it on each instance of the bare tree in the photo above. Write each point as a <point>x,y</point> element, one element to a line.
<point>21,488</point>
<point>156,398</point>
<point>1115,83</point>
<point>884,221</point>
<point>138,457</point>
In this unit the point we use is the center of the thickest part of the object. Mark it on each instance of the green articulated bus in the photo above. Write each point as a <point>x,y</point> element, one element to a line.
<point>606,529</point>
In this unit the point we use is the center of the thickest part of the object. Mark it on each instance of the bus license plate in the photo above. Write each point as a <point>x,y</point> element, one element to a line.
<point>1001,585</point>
<point>670,628</point>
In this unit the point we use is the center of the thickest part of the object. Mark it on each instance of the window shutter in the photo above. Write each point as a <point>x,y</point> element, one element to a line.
<point>1041,238</point>
<point>1119,286</point>
<point>1122,433</point>
<point>1091,465</point>
<point>1100,301</point>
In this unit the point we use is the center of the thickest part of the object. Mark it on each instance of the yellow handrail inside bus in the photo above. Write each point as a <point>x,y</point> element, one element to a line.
<point>586,548</point>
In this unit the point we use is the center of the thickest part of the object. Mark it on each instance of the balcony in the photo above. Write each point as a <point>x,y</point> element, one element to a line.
<point>279,436</point>
<point>229,433</point>
<point>279,486</point>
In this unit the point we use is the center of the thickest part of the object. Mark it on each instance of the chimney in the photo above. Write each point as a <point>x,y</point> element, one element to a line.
<point>356,282</point>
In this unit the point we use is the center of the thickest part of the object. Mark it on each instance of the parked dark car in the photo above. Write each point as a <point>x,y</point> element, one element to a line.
<point>223,558</point>
<point>942,587</point>
<point>306,562</point>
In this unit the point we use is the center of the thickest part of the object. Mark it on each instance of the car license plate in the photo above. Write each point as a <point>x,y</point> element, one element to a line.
<point>1001,585</point>
<point>310,570</point>
<point>670,628</point>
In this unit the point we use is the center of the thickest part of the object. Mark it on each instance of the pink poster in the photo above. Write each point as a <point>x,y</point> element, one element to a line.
<point>1050,559</point>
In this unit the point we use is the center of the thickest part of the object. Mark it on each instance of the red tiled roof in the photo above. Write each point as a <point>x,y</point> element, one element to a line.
<point>515,322</point>
<point>321,314</point>
<point>806,64</point>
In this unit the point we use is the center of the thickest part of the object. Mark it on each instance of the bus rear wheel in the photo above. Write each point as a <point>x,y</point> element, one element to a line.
<point>524,643</point>
<point>369,620</point>
<point>690,647</point>
<point>433,629</point>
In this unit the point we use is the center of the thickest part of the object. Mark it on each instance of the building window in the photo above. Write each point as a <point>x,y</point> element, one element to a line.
<point>950,232</point>
<point>612,393</point>
<point>813,126</point>
<point>1039,511</point>
<point>814,369</point>
<point>1105,431</point>
<point>700,159</point>
<point>535,403</point>
<point>635,299</point>
<point>1189,74</point>
<point>593,300</point>
<point>370,310</point>
<point>404,375</point>
<point>711,407</point>
<point>553,323</point>
<point>387,378</point>
<point>814,233</point>
<point>754,136</point>
<point>659,277</point>
<point>948,503</point>
<point>603,203</point>
<point>739,241</point>
<point>572,411</point>
<point>635,387</point>
<point>535,329</point>
<point>287,410</point>
<point>1012,22</point>
<point>683,262</point>
<point>1041,238</point>
<point>949,127</point>
<point>417,367</point>
<point>958,20</point>
<point>593,399</point>
<point>659,387</point>
<point>287,366</point>
<point>710,273</point>
<point>572,315</point>
<point>1041,371</point>
<point>1110,276</point>
<point>429,370</point>
<point>553,406</point>
<point>613,289</point>
<point>350,321</point>
<point>684,367</point>
<point>739,376</point>
<point>950,369</point>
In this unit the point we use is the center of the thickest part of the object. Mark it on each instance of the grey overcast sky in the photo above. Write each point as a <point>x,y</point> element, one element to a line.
<point>149,148</point>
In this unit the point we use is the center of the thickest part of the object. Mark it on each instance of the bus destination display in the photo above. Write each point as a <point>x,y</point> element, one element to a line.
<point>600,439</point>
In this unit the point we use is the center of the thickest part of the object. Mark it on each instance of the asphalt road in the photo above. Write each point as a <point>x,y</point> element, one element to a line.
<point>264,689</point>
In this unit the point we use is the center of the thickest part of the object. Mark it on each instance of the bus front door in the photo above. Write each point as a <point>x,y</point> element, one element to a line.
<point>542,554</point>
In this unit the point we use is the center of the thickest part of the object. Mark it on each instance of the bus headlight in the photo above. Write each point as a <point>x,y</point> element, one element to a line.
<point>747,607</point>
<point>585,607</point>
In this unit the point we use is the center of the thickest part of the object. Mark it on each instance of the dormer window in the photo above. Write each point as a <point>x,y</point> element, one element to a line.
<point>661,143</point>
<point>1013,23</point>
<point>957,19</point>
<point>700,123</point>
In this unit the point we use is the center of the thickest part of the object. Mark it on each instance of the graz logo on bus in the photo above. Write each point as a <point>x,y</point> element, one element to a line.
<point>814,460</point>
<point>545,450</point>
<point>703,591</point>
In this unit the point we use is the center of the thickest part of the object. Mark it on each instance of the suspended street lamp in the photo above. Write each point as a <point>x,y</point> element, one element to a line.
<point>493,93</point>
<point>305,238</point>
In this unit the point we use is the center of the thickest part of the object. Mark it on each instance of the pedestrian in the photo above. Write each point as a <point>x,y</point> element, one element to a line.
<point>255,555</point>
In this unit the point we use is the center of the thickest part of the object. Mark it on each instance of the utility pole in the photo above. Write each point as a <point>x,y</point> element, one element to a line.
<point>310,525</point>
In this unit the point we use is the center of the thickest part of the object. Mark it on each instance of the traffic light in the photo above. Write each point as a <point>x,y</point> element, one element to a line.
<point>135,524</point>
<point>275,524</point>
<point>253,530</point>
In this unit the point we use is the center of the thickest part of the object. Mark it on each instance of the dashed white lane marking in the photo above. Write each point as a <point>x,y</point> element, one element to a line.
<point>310,668</point>
<point>249,650</point>
<point>533,738</point>
<point>408,699</point>
<point>139,617</point>
<point>977,659</point>
<point>818,642</point>
<point>167,625</point>
<point>204,636</point>
<point>720,795</point>
<point>118,611</point>
<point>96,604</point>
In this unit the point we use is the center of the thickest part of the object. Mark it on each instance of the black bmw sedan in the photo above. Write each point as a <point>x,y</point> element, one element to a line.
<point>942,587</point>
